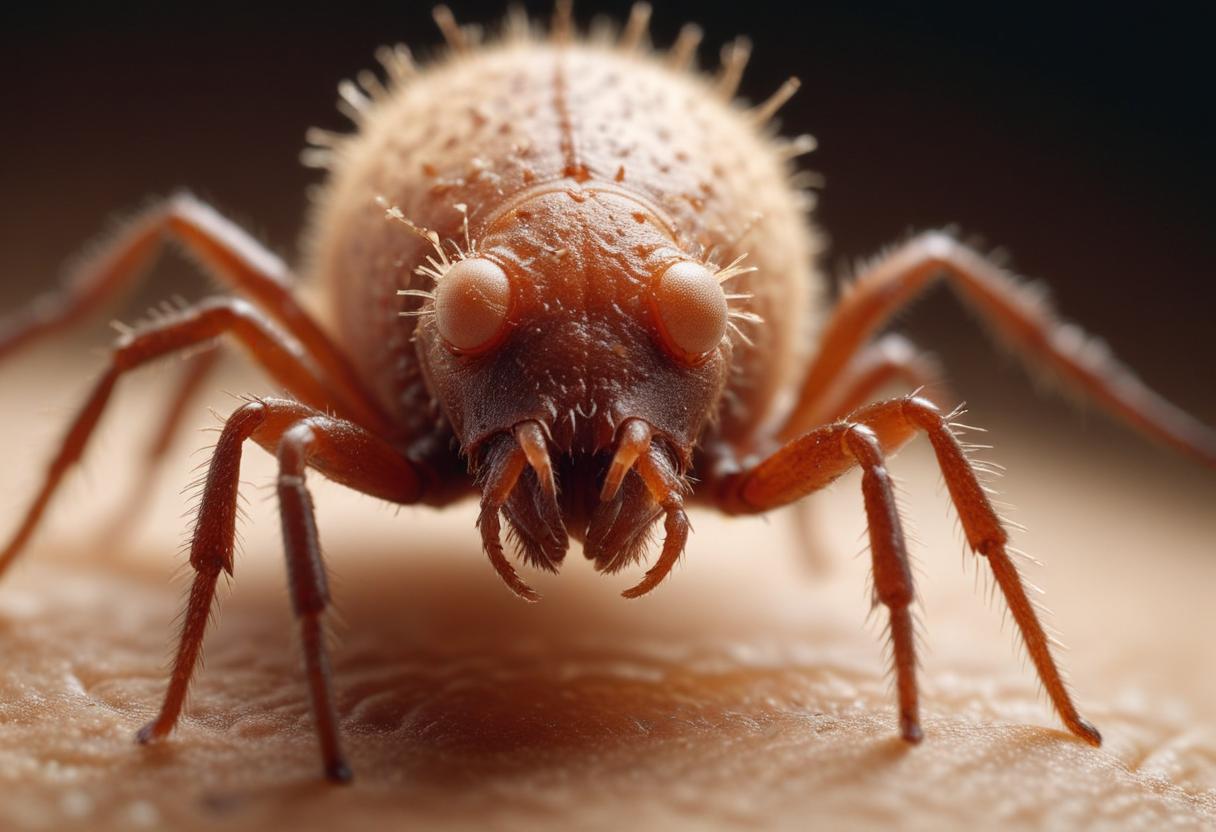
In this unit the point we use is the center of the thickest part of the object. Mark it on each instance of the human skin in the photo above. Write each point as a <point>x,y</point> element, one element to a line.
<point>746,692</point>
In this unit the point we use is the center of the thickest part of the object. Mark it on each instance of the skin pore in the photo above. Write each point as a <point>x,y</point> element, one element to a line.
<point>744,692</point>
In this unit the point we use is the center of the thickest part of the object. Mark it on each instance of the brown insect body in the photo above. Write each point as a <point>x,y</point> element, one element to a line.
<point>586,171</point>
<point>531,256</point>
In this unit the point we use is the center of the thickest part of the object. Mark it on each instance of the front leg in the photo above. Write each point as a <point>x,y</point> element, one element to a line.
<point>300,437</point>
<point>814,460</point>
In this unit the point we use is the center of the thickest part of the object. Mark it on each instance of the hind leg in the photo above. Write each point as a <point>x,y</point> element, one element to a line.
<point>278,354</point>
<point>229,255</point>
<point>819,457</point>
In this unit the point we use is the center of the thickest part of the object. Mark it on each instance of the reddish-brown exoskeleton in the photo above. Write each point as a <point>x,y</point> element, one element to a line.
<point>534,256</point>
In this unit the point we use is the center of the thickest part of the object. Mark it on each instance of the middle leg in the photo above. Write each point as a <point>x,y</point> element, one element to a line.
<point>276,352</point>
<point>889,360</point>
<point>1017,314</point>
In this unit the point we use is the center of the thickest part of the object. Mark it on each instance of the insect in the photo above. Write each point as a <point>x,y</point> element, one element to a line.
<point>572,278</point>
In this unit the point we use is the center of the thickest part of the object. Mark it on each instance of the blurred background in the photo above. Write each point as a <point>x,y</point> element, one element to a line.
<point>1075,141</point>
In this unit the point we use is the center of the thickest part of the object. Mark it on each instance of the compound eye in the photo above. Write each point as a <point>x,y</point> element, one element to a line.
<point>471,302</point>
<point>691,310</point>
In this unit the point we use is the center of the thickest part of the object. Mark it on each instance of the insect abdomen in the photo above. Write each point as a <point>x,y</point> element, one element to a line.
<point>477,128</point>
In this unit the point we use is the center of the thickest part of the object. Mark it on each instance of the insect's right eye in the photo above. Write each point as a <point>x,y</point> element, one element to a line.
<point>471,304</point>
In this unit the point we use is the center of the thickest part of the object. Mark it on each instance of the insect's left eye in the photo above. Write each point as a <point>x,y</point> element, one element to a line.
<point>471,304</point>
<point>690,310</point>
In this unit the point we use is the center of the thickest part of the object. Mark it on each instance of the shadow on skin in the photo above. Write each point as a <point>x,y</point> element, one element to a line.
<point>704,704</point>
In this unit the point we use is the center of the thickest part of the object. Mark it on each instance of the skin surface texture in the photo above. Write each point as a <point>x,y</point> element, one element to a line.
<point>744,692</point>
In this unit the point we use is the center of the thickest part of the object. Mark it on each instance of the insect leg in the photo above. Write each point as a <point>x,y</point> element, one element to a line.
<point>300,437</point>
<point>281,356</point>
<point>309,588</point>
<point>194,375</point>
<point>1017,315</point>
<point>892,359</point>
<point>892,574</point>
<point>820,456</point>
<point>230,255</point>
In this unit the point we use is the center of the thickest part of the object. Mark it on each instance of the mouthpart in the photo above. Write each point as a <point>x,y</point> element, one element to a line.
<point>611,507</point>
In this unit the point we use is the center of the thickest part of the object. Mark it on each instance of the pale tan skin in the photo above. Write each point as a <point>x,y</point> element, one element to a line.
<point>535,143</point>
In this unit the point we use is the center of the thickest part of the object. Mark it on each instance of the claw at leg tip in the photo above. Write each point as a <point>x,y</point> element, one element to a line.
<point>147,734</point>
<point>338,773</point>
<point>911,733</point>
<point>1087,732</point>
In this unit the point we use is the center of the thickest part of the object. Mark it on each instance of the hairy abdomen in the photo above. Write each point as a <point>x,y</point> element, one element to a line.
<point>477,128</point>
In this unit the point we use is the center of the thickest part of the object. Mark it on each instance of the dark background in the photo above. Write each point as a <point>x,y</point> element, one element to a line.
<point>1074,140</point>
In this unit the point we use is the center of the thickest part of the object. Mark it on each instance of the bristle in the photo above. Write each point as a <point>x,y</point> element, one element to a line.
<point>464,224</point>
<point>452,33</point>
<point>636,27</point>
<point>371,84</point>
<point>684,50</point>
<point>562,28</point>
<point>733,269</point>
<point>735,56</point>
<point>474,34</point>
<point>517,26</point>
<point>797,146</point>
<point>603,32</point>
<point>353,103</point>
<point>761,113</point>
<point>740,333</point>
<point>398,63</point>
<point>749,317</point>
<point>322,138</point>
<point>803,179</point>
<point>395,214</point>
<point>320,158</point>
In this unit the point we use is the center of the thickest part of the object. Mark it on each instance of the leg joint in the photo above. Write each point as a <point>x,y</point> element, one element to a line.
<point>923,413</point>
<point>896,594</point>
<point>861,442</point>
<point>243,421</point>
<point>939,248</point>
<point>293,451</point>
